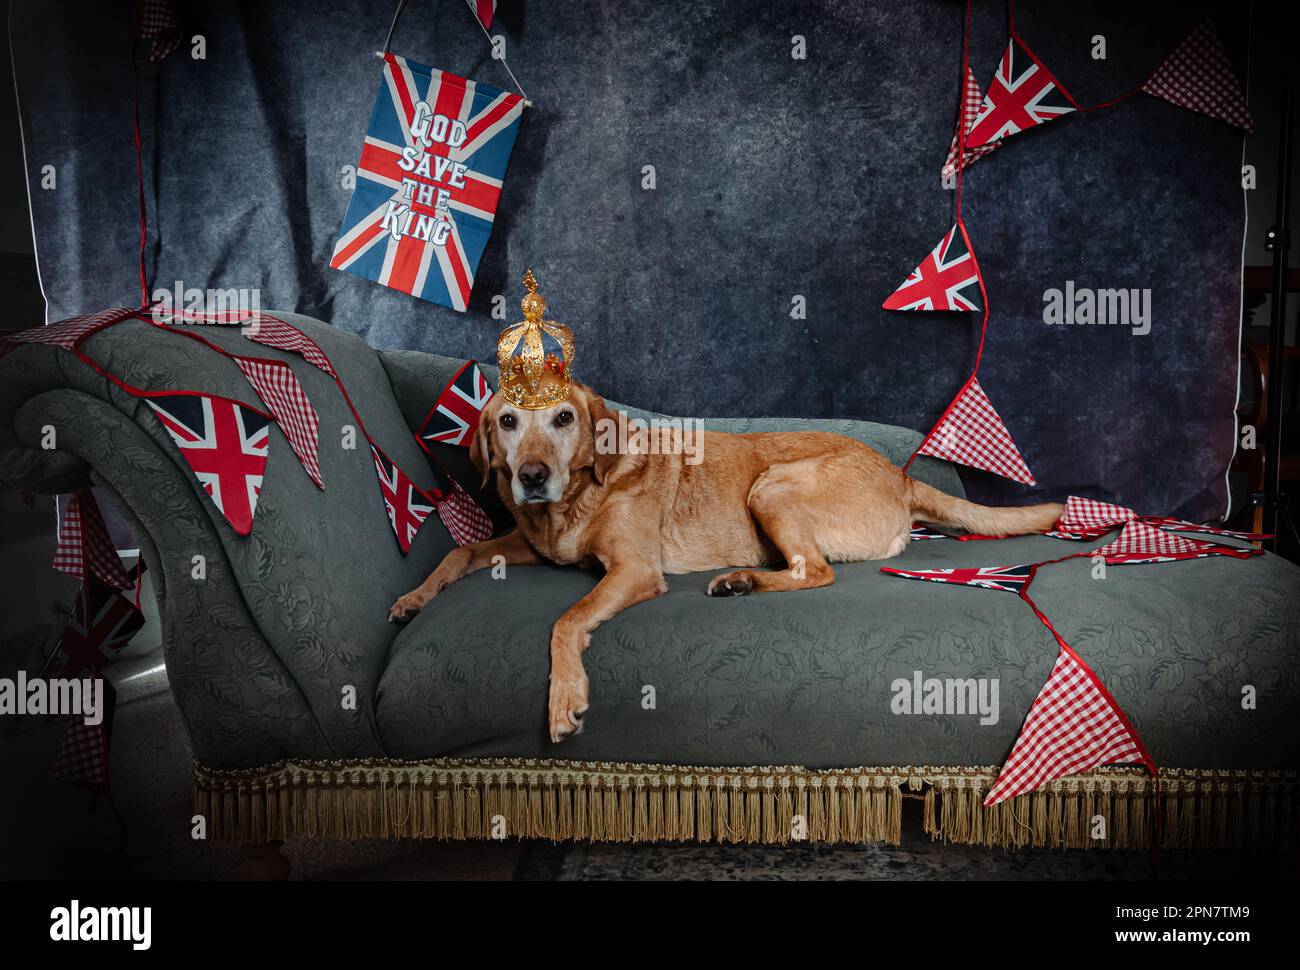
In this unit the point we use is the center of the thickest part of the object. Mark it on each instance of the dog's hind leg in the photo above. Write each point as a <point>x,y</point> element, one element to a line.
<point>779,502</point>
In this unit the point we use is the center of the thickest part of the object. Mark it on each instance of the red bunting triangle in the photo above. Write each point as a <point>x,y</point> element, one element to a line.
<point>1023,94</point>
<point>1074,725</point>
<point>84,542</point>
<point>1008,579</point>
<point>947,279</point>
<point>284,397</point>
<point>1143,543</point>
<point>971,433</point>
<point>407,505</point>
<point>1089,515</point>
<point>462,516</point>
<point>970,107</point>
<point>1197,75</point>
<point>225,444</point>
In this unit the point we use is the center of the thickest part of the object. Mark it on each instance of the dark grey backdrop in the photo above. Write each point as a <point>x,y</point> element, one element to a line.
<point>775,177</point>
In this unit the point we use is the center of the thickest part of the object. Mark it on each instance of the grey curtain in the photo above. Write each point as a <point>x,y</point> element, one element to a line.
<point>776,178</point>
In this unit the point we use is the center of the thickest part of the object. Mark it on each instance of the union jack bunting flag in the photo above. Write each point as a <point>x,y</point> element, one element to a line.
<point>1197,75</point>
<point>225,444</point>
<point>971,433</point>
<point>463,518</point>
<point>83,755</point>
<point>428,182</point>
<point>1089,515</point>
<point>103,621</point>
<point>970,107</point>
<point>84,541</point>
<point>454,416</point>
<point>407,506</point>
<point>947,279</point>
<point>1143,543</point>
<point>270,332</point>
<point>1022,94</point>
<point>67,333</point>
<point>1074,725</point>
<point>925,532</point>
<point>1008,579</point>
<point>284,397</point>
<point>1178,525</point>
<point>1076,535</point>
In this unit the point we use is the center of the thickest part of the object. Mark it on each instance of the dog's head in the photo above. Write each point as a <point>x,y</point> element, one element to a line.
<point>541,456</point>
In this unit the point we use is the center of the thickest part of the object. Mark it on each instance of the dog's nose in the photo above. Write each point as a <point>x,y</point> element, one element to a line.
<point>533,474</point>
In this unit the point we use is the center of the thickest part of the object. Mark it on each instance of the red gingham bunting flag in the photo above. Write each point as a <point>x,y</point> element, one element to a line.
<point>1008,579</point>
<point>158,20</point>
<point>67,333</point>
<point>1074,725</point>
<point>947,279</point>
<point>463,518</point>
<point>103,621</point>
<point>225,445</point>
<point>1023,94</point>
<point>970,106</point>
<point>271,332</point>
<point>484,10</point>
<point>407,505</point>
<point>84,540</point>
<point>1143,543</point>
<point>1089,515</point>
<point>455,414</point>
<point>972,434</point>
<point>83,755</point>
<point>284,397</point>
<point>1198,75</point>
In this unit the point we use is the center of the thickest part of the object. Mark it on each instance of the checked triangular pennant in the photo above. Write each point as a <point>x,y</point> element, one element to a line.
<point>454,416</point>
<point>83,755</point>
<point>84,541</point>
<point>270,332</point>
<point>970,107</point>
<point>1143,543</point>
<point>462,516</point>
<point>1085,515</point>
<point>284,397</point>
<point>407,505</point>
<point>1008,579</point>
<point>67,333</point>
<point>1197,75</point>
<point>971,433</point>
<point>1023,94</point>
<point>225,444</point>
<point>103,621</point>
<point>1073,725</point>
<point>947,279</point>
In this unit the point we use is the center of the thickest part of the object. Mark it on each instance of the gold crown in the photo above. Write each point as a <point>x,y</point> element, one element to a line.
<point>535,356</point>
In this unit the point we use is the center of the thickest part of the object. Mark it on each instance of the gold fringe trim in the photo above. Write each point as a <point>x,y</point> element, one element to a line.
<point>613,802</point>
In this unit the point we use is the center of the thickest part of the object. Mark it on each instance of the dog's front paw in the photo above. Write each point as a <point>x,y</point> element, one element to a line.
<point>739,583</point>
<point>406,607</point>
<point>568,704</point>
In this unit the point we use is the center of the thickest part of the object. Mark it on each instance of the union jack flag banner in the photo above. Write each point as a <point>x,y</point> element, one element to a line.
<point>925,532</point>
<point>1008,579</point>
<point>947,279</point>
<point>1143,543</point>
<point>103,622</point>
<point>1197,75</point>
<point>454,416</point>
<point>1074,725</point>
<point>970,106</point>
<point>1089,515</point>
<point>407,505</point>
<point>84,541</point>
<point>1022,94</point>
<point>1178,525</point>
<point>971,433</point>
<point>83,755</point>
<point>428,182</point>
<point>225,444</point>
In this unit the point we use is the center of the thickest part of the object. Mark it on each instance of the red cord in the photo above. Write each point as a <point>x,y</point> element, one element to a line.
<point>139,154</point>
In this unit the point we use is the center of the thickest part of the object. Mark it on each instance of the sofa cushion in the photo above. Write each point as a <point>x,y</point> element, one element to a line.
<point>805,678</point>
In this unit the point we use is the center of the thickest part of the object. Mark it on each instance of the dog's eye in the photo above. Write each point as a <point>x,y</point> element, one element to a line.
<point>507,420</point>
<point>563,419</point>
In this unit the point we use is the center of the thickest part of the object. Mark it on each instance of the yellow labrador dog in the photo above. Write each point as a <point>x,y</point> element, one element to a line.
<point>798,500</point>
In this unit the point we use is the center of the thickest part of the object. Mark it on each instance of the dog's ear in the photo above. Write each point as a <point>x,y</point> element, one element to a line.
<point>480,447</point>
<point>601,462</point>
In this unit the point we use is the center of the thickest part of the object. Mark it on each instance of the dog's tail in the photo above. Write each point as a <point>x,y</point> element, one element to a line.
<point>937,508</point>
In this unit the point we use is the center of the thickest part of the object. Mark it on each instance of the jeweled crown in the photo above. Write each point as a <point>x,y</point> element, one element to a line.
<point>535,356</point>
